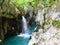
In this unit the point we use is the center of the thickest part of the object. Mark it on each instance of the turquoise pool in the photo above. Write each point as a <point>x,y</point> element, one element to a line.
<point>19,40</point>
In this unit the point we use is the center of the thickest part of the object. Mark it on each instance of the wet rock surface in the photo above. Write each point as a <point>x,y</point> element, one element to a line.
<point>10,27</point>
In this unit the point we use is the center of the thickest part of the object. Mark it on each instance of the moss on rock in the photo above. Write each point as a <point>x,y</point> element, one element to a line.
<point>56,23</point>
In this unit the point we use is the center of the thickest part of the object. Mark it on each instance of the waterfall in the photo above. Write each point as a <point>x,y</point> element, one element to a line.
<point>25,30</point>
<point>24,25</point>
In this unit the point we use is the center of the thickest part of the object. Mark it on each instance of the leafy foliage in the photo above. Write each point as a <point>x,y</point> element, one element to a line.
<point>34,44</point>
<point>26,4</point>
<point>56,23</point>
<point>7,9</point>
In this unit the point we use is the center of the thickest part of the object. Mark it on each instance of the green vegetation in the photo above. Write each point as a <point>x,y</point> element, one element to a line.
<point>26,4</point>
<point>34,44</point>
<point>56,23</point>
<point>12,10</point>
<point>22,3</point>
<point>7,9</point>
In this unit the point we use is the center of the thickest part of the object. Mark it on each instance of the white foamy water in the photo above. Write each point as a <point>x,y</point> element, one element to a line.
<point>24,24</point>
<point>24,35</point>
<point>25,30</point>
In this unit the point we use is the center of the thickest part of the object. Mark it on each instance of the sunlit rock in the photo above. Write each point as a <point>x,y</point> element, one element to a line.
<point>55,15</point>
<point>39,17</point>
<point>50,37</point>
<point>0,40</point>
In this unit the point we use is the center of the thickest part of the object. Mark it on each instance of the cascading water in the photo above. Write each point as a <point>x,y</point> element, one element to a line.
<point>25,30</point>
<point>24,25</point>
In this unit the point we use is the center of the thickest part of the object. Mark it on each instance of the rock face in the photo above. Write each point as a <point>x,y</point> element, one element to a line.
<point>30,18</point>
<point>10,20</point>
<point>51,37</point>
<point>58,7</point>
<point>10,27</point>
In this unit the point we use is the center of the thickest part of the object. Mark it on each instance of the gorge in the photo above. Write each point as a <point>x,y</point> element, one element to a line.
<point>29,22</point>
